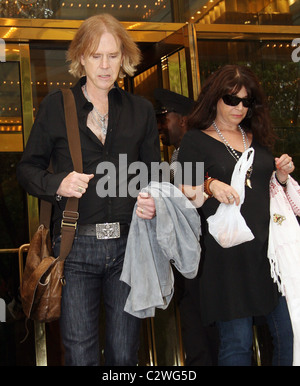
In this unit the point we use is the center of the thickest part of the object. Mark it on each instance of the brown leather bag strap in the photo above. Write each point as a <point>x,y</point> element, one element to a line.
<point>72,129</point>
<point>70,214</point>
<point>45,213</point>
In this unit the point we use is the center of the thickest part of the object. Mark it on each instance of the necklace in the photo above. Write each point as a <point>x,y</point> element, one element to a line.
<point>233,153</point>
<point>99,119</point>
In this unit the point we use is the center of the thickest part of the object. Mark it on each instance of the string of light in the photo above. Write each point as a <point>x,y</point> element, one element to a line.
<point>106,6</point>
<point>42,8</point>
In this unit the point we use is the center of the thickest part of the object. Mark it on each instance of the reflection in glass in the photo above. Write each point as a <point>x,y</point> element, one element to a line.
<point>10,108</point>
<point>280,12</point>
<point>271,62</point>
<point>49,71</point>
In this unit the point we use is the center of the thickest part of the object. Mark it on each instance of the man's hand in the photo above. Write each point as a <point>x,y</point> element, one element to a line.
<point>74,185</point>
<point>145,206</point>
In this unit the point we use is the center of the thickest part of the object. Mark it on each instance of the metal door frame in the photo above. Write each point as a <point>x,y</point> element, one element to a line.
<point>19,52</point>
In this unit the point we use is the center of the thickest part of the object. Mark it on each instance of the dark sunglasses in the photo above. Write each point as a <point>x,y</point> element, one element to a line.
<point>233,100</point>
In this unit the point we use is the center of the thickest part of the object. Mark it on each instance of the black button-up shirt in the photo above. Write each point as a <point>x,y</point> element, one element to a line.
<point>132,133</point>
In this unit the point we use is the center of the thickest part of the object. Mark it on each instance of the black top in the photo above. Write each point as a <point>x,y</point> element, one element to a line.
<point>234,282</point>
<point>132,133</point>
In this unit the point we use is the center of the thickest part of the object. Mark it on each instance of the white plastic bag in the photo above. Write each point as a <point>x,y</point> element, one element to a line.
<point>227,225</point>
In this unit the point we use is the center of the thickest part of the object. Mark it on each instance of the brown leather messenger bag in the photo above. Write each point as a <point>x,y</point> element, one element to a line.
<point>43,278</point>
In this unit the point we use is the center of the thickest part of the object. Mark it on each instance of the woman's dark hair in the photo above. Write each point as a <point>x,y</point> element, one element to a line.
<point>229,80</point>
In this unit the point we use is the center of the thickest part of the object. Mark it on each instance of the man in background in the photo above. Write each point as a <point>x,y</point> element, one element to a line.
<point>171,114</point>
<point>200,344</point>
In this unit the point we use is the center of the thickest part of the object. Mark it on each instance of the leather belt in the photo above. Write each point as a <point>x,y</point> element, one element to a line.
<point>102,231</point>
<point>112,230</point>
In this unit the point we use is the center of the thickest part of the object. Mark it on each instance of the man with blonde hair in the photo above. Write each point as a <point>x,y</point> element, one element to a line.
<point>112,122</point>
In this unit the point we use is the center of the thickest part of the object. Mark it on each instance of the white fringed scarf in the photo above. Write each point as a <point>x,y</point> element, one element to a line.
<point>284,249</point>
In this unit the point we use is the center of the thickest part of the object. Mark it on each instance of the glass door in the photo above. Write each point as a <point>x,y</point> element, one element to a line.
<point>170,64</point>
<point>28,73</point>
<point>15,224</point>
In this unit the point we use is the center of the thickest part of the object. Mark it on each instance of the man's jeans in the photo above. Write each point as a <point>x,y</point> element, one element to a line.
<point>236,338</point>
<point>94,267</point>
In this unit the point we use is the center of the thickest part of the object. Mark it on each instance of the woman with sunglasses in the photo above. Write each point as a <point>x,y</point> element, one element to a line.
<point>235,283</point>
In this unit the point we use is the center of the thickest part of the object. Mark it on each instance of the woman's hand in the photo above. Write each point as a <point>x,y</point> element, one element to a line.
<point>193,193</point>
<point>74,185</point>
<point>145,206</point>
<point>284,166</point>
<point>224,193</point>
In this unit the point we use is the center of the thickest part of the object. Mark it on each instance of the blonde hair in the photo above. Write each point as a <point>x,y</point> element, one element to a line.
<point>86,42</point>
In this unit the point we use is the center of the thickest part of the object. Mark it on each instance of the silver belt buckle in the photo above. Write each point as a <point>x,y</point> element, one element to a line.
<point>108,230</point>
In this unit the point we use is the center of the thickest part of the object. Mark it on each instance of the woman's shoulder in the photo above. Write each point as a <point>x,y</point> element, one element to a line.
<point>260,147</point>
<point>193,134</point>
<point>193,145</point>
<point>197,137</point>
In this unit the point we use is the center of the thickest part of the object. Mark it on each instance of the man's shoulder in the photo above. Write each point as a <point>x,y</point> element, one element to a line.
<point>53,96</point>
<point>136,99</point>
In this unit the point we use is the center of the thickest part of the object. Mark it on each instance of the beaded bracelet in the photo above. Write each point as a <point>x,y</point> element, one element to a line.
<point>207,183</point>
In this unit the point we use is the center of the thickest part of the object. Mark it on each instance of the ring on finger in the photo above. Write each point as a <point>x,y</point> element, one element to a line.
<point>290,165</point>
<point>230,197</point>
<point>80,189</point>
<point>142,210</point>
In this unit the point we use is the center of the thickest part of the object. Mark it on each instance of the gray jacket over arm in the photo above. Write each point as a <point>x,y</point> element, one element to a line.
<point>172,237</point>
